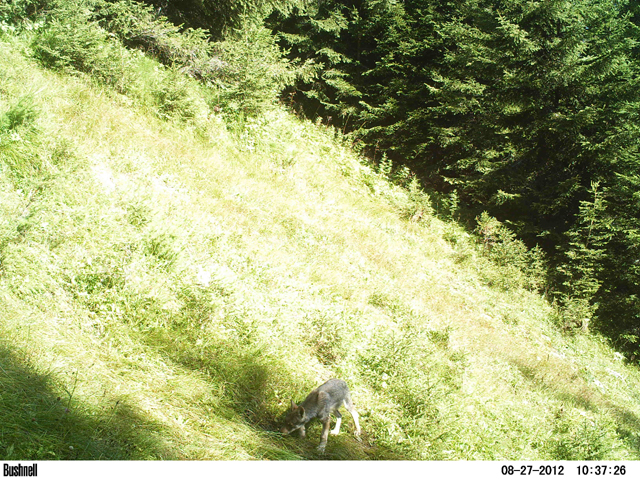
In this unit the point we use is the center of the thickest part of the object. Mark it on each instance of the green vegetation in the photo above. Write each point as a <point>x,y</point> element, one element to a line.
<point>518,107</point>
<point>178,260</point>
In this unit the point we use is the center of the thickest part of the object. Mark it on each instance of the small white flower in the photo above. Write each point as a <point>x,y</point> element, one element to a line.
<point>203,277</point>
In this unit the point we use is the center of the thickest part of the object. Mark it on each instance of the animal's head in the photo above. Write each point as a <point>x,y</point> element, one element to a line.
<point>294,419</point>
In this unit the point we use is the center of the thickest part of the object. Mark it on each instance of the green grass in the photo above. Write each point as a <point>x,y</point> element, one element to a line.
<point>168,285</point>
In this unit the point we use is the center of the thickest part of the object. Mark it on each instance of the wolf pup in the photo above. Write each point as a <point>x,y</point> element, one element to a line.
<point>321,403</point>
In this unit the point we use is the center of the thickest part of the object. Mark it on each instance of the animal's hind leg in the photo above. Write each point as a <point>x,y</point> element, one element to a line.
<point>336,429</point>
<point>351,409</point>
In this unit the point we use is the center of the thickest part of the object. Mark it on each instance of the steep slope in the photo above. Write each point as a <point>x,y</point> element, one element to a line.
<point>167,287</point>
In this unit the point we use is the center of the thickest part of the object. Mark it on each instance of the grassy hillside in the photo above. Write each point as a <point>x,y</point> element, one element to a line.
<point>168,285</point>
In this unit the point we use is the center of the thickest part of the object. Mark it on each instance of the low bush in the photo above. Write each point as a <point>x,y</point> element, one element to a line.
<point>518,265</point>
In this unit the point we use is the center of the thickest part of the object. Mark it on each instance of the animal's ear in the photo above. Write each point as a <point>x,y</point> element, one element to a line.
<point>300,412</point>
<point>293,405</point>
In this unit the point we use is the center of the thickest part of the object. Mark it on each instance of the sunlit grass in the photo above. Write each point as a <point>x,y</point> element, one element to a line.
<point>167,287</point>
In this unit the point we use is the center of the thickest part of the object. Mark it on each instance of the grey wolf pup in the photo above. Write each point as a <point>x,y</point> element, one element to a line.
<point>321,403</point>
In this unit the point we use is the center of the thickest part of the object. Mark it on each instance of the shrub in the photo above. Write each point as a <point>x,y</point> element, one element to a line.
<point>138,26</point>
<point>254,71</point>
<point>21,113</point>
<point>587,439</point>
<point>248,70</point>
<point>419,202</point>
<point>175,97</point>
<point>13,12</point>
<point>20,143</point>
<point>70,41</point>
<point>518,265</point>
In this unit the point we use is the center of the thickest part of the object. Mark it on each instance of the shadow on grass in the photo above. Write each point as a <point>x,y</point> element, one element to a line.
<point>343,447</point>
<point>628,423</point>
<point>40,420</point>
<point>250,376</point>
<point>628,428</point>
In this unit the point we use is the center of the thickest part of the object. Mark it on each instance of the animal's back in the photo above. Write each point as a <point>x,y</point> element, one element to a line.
<point>326,398</point>
<point>336,388</point>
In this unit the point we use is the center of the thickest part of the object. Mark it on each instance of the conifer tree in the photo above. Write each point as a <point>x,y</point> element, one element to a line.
<point>585,256</point>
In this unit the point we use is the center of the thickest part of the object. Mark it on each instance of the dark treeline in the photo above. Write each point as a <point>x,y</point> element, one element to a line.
<point>525,109</point>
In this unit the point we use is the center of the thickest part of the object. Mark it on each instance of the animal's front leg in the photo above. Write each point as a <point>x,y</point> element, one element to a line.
<point>303,431</point>
<point>325,434</point>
